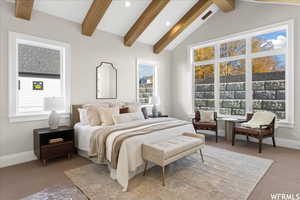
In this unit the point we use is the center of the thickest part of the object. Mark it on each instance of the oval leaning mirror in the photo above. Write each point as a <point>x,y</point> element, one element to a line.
<point>106,81</point>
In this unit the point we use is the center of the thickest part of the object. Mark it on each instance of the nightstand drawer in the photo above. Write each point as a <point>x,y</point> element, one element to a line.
<point>56,150</point>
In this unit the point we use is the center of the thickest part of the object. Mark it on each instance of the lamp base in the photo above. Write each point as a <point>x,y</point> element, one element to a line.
<point>53,120</point>
<point>154,111</point>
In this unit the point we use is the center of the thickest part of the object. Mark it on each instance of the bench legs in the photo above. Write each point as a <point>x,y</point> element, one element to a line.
<point>145,170</point>
<point>163,169</point>
<point>163,175</point>
<point>201,155</point>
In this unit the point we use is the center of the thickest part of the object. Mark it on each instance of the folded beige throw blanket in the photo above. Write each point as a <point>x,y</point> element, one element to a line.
<point>259,119</point>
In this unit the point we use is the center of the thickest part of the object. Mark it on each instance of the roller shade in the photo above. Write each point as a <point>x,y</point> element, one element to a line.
<point>40,62</point>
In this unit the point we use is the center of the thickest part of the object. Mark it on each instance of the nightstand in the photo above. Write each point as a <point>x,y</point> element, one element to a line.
<point>50,143</point>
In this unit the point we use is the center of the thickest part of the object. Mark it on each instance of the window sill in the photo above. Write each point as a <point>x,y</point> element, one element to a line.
<point>34,117</point>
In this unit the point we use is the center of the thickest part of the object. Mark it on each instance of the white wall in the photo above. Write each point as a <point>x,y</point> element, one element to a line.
<point>87,53</point>
<point>246,16</point>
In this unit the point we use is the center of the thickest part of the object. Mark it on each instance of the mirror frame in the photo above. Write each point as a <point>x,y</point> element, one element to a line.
<point>114,68</point>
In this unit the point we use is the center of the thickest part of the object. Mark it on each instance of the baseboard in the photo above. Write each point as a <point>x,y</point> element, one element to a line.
<point>281,142</point>
<point>16,158</point>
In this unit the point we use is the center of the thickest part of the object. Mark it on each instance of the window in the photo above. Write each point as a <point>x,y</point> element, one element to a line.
<point>247,72</point>
<point>146,81</point>
<point>39,68</point>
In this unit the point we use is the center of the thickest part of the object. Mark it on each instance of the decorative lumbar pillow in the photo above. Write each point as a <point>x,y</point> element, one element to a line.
<point>124,110</point>
<point>207,116</point>
<point>128,117</point>
<point>106,115</point>
<point>83,116</point>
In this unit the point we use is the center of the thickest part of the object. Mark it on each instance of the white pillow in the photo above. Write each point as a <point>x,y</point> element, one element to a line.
<point>207,116</point>
<point>83,116</point>
<point>133,107</point>
<point>128,117</point>
<point>106,115</point>
<point>93,114</point>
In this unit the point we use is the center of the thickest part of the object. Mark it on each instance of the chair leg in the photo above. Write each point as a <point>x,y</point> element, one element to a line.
<point>145,170</point>
<point>247,139</point>
<point>260,145</point>
<point>163,175</point>
<point>233,138</point>
<point>216,136</point>
<point>201,155</point>
<point>274,143</point>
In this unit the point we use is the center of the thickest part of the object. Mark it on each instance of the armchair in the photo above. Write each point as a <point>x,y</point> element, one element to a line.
<point>205,125</point>
<point>261,132</point>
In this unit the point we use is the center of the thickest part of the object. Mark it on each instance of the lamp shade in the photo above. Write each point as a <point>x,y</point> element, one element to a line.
<point>155,100</point>
<point>54,103</point>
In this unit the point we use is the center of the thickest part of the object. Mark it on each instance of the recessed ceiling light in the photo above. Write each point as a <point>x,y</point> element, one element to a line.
<point>168,23</point>
<point>127,4</point>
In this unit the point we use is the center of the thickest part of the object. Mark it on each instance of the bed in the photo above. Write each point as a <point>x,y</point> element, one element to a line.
<point>125,161</point>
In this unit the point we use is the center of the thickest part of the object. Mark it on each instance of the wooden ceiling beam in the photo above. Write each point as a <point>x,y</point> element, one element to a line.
<point>149,14</point>
<point>94,16</point>
<point>225,5</point>
<point>199,8</point>
<point>23,9</point>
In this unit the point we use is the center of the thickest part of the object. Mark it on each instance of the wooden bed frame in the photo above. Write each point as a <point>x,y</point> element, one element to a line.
<point>74,116</point>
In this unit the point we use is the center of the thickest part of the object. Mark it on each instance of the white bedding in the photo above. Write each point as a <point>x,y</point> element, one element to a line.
<point>130,156</point>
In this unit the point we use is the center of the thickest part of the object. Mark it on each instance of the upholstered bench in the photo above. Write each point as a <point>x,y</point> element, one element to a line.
<point>168,151</point>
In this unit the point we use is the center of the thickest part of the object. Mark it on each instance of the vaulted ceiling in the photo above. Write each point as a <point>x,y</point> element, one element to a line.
<point>161,23</point>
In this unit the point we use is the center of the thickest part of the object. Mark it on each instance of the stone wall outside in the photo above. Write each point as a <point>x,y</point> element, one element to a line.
<point>268,94</point>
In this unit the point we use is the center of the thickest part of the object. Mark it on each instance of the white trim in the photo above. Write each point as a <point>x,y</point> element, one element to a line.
<point>64,48</point>
<point>274,3</point>
<point>17,158</point>
<point>155,86</point>
<point>36,117</point>
<point>247,35</point>
<point>243,34</point>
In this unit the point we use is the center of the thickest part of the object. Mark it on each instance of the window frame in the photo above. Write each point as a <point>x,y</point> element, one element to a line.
<point>155,83</point>
<point>65,50</point>
<point>247,35</point>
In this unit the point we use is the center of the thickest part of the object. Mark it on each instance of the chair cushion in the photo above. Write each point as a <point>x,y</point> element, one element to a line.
<point>252,131</point>
<point>174,146</point>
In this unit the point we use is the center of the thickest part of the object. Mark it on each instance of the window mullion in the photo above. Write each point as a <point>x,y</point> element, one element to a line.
<point>249,92</point>
<point>217,80</point>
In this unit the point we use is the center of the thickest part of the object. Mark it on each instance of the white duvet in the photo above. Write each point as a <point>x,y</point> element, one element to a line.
<point>130,156</point>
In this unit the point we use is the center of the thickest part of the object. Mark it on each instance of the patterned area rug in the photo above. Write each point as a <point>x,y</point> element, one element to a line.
<point>224,175</point>
<point>57,193</point>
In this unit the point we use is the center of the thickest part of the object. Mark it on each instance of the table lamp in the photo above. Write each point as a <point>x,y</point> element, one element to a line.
<point>53,104</point>
<point>155,101</point>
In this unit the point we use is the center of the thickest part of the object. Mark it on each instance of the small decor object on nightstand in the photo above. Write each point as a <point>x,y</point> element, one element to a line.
<point>155,101</point>
<point>49,143</point>
<point>53,104</point>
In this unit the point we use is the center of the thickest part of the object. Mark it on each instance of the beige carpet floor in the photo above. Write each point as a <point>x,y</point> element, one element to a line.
<point>223,175</point>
